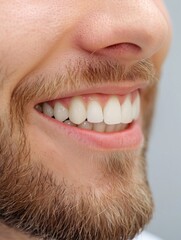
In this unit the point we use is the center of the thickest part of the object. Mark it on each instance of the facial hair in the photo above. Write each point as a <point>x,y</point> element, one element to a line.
<point>32,201</point>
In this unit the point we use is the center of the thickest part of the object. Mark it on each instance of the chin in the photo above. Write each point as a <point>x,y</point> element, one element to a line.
<point>107,198</point>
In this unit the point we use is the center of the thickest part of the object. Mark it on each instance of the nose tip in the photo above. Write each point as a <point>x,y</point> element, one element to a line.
<point>123,31</point>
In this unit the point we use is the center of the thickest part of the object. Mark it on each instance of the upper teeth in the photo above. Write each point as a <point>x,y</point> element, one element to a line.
<point>94,112</point>
<point>60,112</point>
<point>113,112</point>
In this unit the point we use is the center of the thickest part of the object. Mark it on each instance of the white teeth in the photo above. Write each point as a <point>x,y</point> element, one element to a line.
<point>126,110</point>
<point>112,111</point>
<point>47,110</point>
<point>136,107</point>
<point>99,127</point>
<point>60,112</point>
<point>77,111</point>
<point>114,117</point>
<point>94,112</point>
<point>86,125</point>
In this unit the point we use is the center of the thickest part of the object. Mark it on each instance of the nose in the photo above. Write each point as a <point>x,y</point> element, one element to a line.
<point>128,30</point>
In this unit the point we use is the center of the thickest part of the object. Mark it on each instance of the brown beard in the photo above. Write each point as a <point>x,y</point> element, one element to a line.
<point>31,201</point>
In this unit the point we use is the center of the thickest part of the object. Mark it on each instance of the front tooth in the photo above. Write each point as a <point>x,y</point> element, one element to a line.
<point>77,111</point>
<point>60,112</point>
<point>136,107</point>
<point>99,127</point>
<point>47,109</point>
<point>94,112</point>
<point>86,125</point>
<point>126,110</point>
<point>112,111</point>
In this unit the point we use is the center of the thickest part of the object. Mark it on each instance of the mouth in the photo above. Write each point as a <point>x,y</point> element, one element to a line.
<point>108,121</point>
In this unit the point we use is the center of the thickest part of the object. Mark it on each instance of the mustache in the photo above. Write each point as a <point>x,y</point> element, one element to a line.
<point>77,75</point>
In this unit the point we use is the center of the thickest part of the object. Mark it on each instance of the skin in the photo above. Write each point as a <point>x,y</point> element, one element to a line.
<point>41,171</point>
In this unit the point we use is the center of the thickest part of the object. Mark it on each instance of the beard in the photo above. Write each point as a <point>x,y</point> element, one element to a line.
<point>33,202</point>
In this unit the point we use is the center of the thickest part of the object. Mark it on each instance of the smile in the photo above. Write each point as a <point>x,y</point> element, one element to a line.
<point>103,120</point>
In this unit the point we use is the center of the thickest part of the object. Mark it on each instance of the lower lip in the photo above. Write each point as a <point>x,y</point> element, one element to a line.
<point>130,138</point>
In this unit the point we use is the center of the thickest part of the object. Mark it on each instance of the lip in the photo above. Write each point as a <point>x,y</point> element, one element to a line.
<point>130,138</point>
<point>110,89</point>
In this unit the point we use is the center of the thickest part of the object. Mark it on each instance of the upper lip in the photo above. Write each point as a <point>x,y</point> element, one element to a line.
<point>110,89</point>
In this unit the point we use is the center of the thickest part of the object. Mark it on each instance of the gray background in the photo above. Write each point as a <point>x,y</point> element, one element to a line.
<point>164,158</point>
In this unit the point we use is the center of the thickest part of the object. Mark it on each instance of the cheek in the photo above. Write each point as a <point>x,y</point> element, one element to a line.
<point>66,161</point>
<point>29,31</point>
<point>160,56</point>
<point>148,106</point>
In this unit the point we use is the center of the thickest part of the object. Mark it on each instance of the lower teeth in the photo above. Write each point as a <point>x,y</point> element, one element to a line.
<point>98,127</point>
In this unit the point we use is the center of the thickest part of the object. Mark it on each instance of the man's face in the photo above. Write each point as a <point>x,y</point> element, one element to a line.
<point>78,81</point>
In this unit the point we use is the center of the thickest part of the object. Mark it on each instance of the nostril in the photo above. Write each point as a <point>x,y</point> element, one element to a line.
<point>124,47</point>
<point>122,51</point>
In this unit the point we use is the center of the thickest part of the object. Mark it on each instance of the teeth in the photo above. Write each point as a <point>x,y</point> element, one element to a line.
<point>112,111</point>
<point>99,127</point>
<point>136,107</point>
<point>77,111</point>
<point>114,117</point>
<point>47,110</point>
<point>86,125</point>
<point>126,110</point>
<point>39,108</point>
<point>60,112</point>
<point>120,127</point>
<point>68,122</point>
<point>110,128</point>
<point>94,112</point>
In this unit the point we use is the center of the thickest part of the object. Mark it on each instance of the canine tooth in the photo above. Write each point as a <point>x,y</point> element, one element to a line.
<point>112,111</point>
<point>47,110</point>
<point>136,107</point>
<point>86,125</point>
<point>60,112</point>
<point>126,110</point>
<point>99,127</point>
<point>94,112</point>
<point>77,111</point>
<point>68,122</point>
